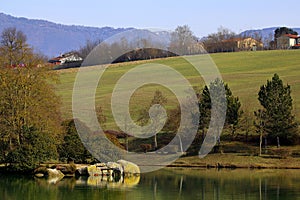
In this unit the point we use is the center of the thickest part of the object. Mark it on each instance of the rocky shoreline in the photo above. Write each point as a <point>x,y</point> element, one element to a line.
<point>112,170</point>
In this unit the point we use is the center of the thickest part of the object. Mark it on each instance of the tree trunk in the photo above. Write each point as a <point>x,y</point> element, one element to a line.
<point>180,143</point>
<point>260,143</point>
<point>203,134</point>
<point>155,142</point>
<point>126,142</point>
<point>266,143</point>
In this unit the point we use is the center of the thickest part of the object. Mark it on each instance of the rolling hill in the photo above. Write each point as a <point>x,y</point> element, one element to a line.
<point>53,39</point>
<point>245,72</point>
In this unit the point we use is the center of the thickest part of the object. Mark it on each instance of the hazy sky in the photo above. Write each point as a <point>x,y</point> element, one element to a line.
<point>203,17</point>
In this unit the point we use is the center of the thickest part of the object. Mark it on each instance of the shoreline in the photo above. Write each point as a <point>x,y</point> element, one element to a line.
<point>212,161</point>
<point>229,166</point>
<point>236,161</point>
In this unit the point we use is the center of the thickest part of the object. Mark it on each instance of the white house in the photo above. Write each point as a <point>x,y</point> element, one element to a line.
<point>66,58</point>
<point>288,41</point>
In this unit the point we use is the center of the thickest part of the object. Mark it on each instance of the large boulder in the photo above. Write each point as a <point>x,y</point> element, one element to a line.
<point>68,170</point>
<point>115,167</point>
<point>54,176</point>
<point>93,170</point>
<point>54,173</point>
<point>48,173</point>
<point>129,167</point>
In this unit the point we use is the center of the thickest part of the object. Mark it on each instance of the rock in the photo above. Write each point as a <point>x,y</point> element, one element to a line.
<point>67,170</point>
<point>39,175</point>
<point>100,165</point>
<point>40,172</point>
<point>93,170</point>
<point>115,167</point>
<point>82,171</point>
<point>53,176</point>
<point>129,167</point>
<point>54,173</point>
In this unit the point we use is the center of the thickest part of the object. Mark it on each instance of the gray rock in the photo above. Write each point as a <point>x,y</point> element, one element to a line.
<point>54,173</point>
<point>115,167</point>
<point>93,170</point>
<point>129,167</point>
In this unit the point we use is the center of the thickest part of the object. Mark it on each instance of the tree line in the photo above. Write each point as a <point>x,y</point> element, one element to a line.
<point>184,42</point>
<point>273,124</point>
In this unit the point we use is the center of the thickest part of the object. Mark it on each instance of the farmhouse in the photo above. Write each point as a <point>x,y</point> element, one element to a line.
<point>241,44</point>
<point>288,41</point>
<point>66,58</point>
<point>248,44</point>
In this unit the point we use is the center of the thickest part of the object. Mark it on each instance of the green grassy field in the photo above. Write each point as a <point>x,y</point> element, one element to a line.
<point>245,72</point>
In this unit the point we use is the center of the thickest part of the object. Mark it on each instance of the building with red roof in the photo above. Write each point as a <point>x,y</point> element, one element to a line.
<point>288,41</point>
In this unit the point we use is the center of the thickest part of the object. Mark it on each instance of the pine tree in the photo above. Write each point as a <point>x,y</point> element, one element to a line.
<point>277,103</point>
<point>233,105</point>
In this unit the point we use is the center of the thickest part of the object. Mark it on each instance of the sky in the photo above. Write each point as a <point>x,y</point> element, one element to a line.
<point>203,17</point>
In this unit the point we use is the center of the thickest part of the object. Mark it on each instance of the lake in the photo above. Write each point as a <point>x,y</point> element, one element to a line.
<point>162,184</point>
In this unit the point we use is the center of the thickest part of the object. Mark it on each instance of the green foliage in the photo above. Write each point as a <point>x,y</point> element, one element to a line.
<point>276,118</point>
<point>205,104</point>
<point>97,143</point>
<point>35,148</point>
<point>284,30</point>
<point>72,146</point>
<point>173,121</point>
<point>204,108</point>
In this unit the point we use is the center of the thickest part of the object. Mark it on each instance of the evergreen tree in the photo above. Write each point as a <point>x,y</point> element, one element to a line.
<point>284,30</point>
<point>72,146</point>
<point>233,105</point>
<point>204,110</point>
<point>277,103</point>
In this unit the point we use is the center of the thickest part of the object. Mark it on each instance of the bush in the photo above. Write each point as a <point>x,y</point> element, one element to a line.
<point>146,147</point>
<point>35,148</point>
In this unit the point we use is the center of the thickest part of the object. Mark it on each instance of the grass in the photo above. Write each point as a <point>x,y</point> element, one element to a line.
<point>245,72</point>
<point>230,160</point>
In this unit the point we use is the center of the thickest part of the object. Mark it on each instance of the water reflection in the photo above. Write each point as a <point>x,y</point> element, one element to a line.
<point>92,181</point>
<point>226,184</point>
<point>109,182</point>
<point>163,184</point>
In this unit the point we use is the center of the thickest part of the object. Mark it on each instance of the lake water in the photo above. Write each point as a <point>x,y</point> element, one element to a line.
<point>163,184</point>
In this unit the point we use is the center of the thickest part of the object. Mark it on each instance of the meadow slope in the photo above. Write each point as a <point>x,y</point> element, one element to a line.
<point>245,72</point>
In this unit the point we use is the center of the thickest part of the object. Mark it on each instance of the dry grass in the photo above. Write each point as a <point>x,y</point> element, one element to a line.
<point>238,161</point>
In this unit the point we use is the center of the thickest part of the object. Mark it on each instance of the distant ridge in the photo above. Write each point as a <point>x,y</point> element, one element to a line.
<point>53,39</point>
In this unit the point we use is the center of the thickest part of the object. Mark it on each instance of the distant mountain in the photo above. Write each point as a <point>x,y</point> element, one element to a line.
<point>53,39</point>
